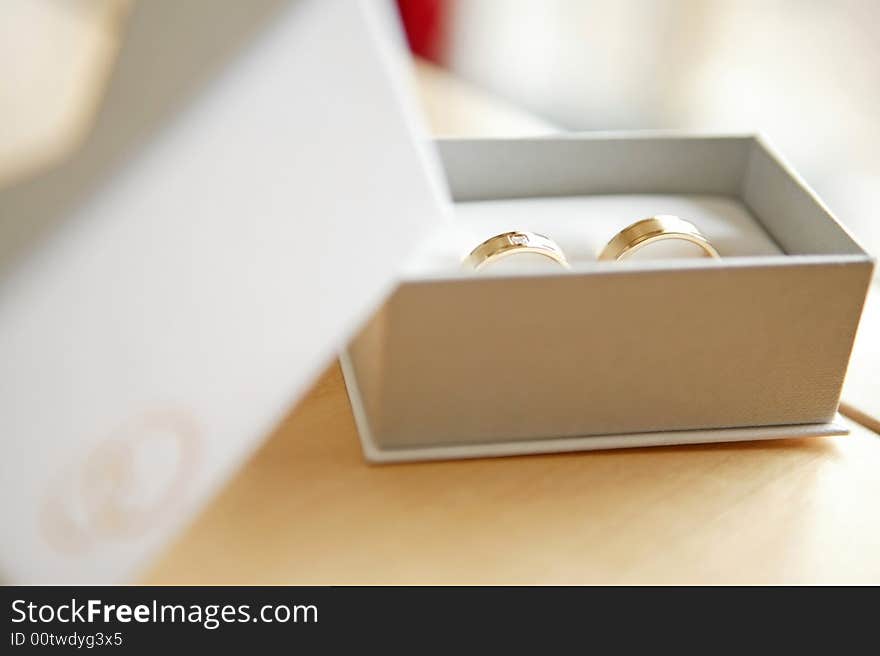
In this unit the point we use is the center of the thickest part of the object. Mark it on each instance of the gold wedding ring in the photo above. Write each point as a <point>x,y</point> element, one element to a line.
<point>512,243</point>
<point>654,229</point>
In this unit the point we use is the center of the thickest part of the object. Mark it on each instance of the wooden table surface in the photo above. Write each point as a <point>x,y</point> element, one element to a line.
<point>308,509</point>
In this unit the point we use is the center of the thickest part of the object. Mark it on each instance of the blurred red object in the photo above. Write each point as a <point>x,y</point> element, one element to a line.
<point>425,24</point>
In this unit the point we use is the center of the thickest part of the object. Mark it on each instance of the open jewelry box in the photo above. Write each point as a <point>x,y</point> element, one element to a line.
<point>613,354</point>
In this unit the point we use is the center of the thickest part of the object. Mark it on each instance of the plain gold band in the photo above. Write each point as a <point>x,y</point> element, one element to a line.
<point>654,229</point>
<point>513,243</point>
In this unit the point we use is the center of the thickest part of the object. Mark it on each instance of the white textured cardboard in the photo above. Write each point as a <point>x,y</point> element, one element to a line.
<point>248,195</point>
<point>614,354</point>
<point>376,453</point>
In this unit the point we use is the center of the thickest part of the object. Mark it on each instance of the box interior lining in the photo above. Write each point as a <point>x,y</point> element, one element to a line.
<point>580,191</point>
<point>582,225</point>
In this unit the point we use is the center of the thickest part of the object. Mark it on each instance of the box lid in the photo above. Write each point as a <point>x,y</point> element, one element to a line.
<point>252,185</point>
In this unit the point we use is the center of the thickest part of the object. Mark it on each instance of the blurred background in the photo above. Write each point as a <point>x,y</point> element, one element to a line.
<point>805,73</point>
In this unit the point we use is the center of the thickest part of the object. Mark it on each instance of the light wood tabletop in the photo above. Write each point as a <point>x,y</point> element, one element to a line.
<point>307,508</point>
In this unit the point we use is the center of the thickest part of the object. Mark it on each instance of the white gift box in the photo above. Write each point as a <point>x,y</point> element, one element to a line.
<point>614,354</point>
<point>243,203</point>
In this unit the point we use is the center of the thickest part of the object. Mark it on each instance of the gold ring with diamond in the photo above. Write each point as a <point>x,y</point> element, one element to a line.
<point>654,229</point>
<point>512,243</point>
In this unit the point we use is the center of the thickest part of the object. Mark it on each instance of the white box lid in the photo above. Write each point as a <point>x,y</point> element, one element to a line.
<point>174,297</point>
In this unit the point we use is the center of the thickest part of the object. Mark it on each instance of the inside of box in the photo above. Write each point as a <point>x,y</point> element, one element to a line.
<point>581,191</point>
<point>583,225</point>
